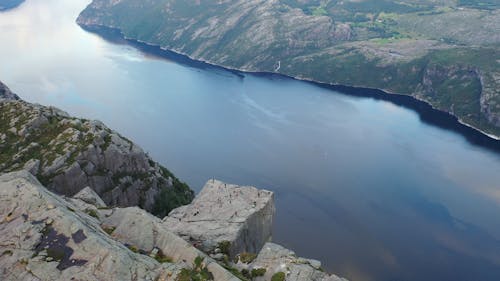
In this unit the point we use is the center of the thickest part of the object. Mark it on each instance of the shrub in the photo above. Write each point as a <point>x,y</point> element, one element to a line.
<point>256,272</point>
<point>278,276</point>
<point>224,247</point>
<point>247,257</point>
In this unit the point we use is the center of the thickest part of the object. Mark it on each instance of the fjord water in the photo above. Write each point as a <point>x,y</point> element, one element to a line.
<point>363,185</point>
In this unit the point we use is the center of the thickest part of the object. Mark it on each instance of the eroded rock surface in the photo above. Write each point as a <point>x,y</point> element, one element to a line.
<point>275,258</point>
<point>44,237</point>
<point>241,215</point>
<point>89,196</point>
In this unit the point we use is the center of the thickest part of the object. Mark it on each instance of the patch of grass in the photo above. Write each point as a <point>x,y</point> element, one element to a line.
<point>199,272</point>
<point>256,272</point>
<point>133,248</point>
<point>244,276</point>
<point>172,197</point>
<point>278,276</point>
<point>224,247</point>
<point>107,142</point>
<point>92,213</point>
<point>247,257</point>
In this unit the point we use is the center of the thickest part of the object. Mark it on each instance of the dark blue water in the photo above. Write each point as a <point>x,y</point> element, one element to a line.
<point>376,189</point>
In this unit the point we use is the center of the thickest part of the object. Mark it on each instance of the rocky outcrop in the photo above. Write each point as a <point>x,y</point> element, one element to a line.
<point>44,237</point>
<point>240,218</point>
<point>275,259</point>
<point>135,227</point>
<point>68,154</point>
<point>6,93</point>
<point>89,196</point>
<point>47,237</point>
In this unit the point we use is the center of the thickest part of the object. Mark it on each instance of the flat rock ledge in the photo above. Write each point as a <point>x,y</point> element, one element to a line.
<point>225,217</point>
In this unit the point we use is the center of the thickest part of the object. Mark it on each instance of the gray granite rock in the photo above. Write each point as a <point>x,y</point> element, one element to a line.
<point>44,237</point>
<point>139,229</point>
<point>89,196</point>
<point>275,258</point>
<point>242,215</point>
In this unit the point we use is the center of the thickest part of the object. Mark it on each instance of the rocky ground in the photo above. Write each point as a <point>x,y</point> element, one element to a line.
<point>48,237</point>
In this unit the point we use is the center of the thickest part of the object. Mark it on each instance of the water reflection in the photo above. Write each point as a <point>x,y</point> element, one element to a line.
<point>373,189</point>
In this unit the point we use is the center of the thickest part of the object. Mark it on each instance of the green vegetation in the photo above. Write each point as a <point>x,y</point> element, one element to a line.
<point>242,275</point>
<point>247,257</point>
<point>133,248</point>
<point>41,134</point>
<point>256,272</point>
<point>385,44</point>
<point>199,272</point>
<point>92,213</point>
<point>278,276</point>
<point>225,247</point>
<point>162,258</point>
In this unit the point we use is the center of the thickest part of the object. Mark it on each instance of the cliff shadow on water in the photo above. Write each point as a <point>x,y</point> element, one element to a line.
<point>425,111</point>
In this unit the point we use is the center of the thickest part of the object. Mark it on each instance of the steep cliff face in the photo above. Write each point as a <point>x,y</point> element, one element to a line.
<point>370,44</point>
<point>240,216</point>
<point>68,154</point>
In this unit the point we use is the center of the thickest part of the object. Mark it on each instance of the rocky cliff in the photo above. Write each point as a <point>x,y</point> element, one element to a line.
<point>221,213</point>
<point>47,237</point>
<point>69,154</point>
<point>390,45</point>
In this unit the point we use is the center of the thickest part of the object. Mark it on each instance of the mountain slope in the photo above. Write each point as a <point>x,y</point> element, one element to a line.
<point>444,52</point>
<point>68,154</point>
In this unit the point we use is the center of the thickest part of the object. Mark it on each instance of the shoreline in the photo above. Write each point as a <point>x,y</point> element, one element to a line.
<point>426,112</point>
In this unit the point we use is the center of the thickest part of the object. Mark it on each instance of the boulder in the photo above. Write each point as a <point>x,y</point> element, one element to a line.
<point>275,258</point>
<point>236,218</point>
<point>148,234</point>
<point>89,196</point>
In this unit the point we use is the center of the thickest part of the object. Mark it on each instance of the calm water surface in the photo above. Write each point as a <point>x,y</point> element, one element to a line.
<point>361,184</point>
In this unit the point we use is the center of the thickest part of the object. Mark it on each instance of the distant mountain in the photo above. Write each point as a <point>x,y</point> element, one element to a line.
<point>444,52</point>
